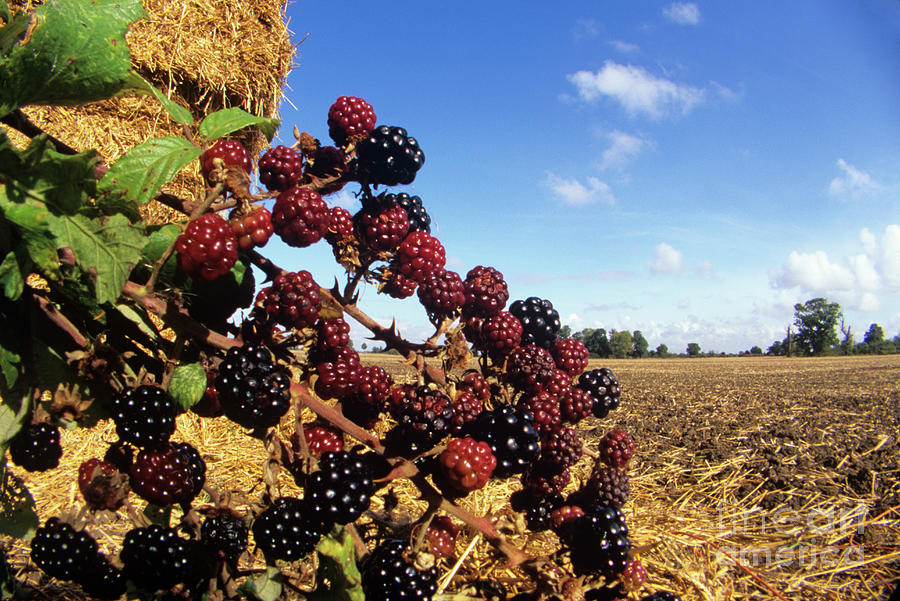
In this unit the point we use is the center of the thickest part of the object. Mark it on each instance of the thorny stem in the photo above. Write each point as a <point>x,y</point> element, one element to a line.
<point>53,314</point>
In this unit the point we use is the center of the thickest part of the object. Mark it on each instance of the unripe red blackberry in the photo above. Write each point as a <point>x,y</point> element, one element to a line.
<point>320,438</point>
<point>466,408</point>
<point>156,558</point>
<point>570,355</point>
<point>253,390</point>
<point>499,334</point>
<point>389,575</point>
<point>419,256</point>
<point>399,286</point>
<point>603,386</point>
<point>540,321</point>
<point>208,405</point>
<point>441,536</point>
<point>300,217</point>
<point>350,119</point>
<point>165,475</point>
<point>545,409</point>
<point>559,384</point>
<point>207,248</point>
<point>232,153</point>
<point>576,405</point>
<point>563,519</point>
<point>337,380</point>
<point>465,465</point>
<point>616,448</point>
<point>285,530</point>
<point>633,576</point>
<point>36,447</point>
<point>486,292</point>
<point>293,300</point>
<point>102,485</point>
<point>389,156</point>
<point>280,168</point>
<point>340,226</point>
<point>473,381</point>
<point>542,481</point>
<point>252,229</point>
<point>381,228</point>
<point>367,399</point>
<point>144,416</point>
<point>341,489</point>
<point>224,536</point>
<point>529,367</point>
<point>442,294</point>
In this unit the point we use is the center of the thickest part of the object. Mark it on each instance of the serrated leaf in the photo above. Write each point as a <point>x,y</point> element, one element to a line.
<point>223,122</point>
<point>179,114</point>
<point>140,173</point>
<point>187,384</point>
<point>33,222</point>
<point>18,515</point>
<point>337,566</point>
<point>11,276</point>
<point>107,250</point>
<point>73,52</point>
<point>264,587</point>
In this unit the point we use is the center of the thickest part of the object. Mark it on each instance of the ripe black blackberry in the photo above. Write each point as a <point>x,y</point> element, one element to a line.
<point>540,321</point>
<point>424,417</point>
<point>387,575</point>
<point>300,217</point>
<point>389,156</point>
<point>442,294</point>
<point>599,541</point>
<point>61,551</point>
<point>207,249</point>
<point>156,558</point>
<point>419,220</point>
<point>603,386</point>
<point>144,416</point>
<point>381,228</point>
<point>350,119</point>
<point>224,536</point>
<point>537,514</point>
<point>280,168</point>
<point>285,530</point>
<point>327,163</point>
<point>606,486</point>
<point>561,448</point>
<point>253,390</point>
<point>511,435</point>
<point>196,469</point>
<point>486,292</point>
<point>499,335</point>
<point>121,455</point>
<point>529,367</point>
<point>36,447</point>
<point>661,596</point>
<point>102,580</point>
<point>341,489</point>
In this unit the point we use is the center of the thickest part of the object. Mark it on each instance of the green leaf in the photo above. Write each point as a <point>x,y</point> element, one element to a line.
<point>13,410</point>
<point>39,173</point>
<point>188,384</point>
<point>11,276</point>
<point>264,587</point>
<point>139,320</point>
<point>143,170</point>
<point>9,368</point>
<point>34,223</point>
<point>4,11</point>
<point>337,566</point>
<point>108,250</point>
<point>18,515</point>
<point>179,114</point>
<point>221,123</point>
<point>161,516</point>
<point>73,52</point>
<point>49,367</point>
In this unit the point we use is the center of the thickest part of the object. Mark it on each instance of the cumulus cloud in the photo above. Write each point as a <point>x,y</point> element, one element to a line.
<point>682,13</point>
<point>623,148</point>
<point>573,192</point>
<point>638,91</point>
<point>859,281</point>
<point>854,182</point>
<point>668,259</point>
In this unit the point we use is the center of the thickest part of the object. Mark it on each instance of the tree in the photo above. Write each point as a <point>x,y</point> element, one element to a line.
<point>755,350</point>
<point>847,341</point>
<point>640,344</point>
<point>874,337</point>
<point>662,350</point>
<point>596,341</point>
<point>565,332</point>
<point>816,320</point>
<point>620,343</point>
<point>776,348</point>
<point>693,349</point>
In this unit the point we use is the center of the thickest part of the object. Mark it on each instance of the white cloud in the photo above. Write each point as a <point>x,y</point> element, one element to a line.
<point>861,281</point>
<point>624,47</point>
<point>623,147</point>
<point>345,200</point>
<point>683,13</point>
<point>854,183</point>
<point>636,90</point>
<point>668,260</point>
<point>574,193</point>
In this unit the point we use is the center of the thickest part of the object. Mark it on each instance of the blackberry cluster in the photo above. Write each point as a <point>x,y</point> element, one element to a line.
<point>280,168</point>
<point>511,436</point>
<point>419,256</point>
<point>300,217</point>
<point>599,541</point>
<point>633,576</point>
<point>224,536</point>
<point>207,249</point>
<point>293,300</point>
<point>341,489</point>
<point>603,387</point>
<point>424,417</point>
<point>337,379</point>
<point>388,575</point>
<point>253,390</point>
<point>144,416</point>
<point>232,153</point>
<point>350,119</point>
<point>285,531</point>
<point>389,156</point>
<point>36,447</point>
<point>331,335</point>
<point>419,220</point>
<point>540,321</point>
<point>486,292</point>
<point>156,558</point>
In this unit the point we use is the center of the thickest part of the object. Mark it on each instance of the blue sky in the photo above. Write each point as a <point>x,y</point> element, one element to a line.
<point>688,169</point>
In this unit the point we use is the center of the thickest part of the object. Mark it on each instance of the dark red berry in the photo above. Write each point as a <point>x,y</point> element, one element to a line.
<point>441,536</point>
<point>350,119</point>
<point>545,409</point>
<point>102,485</point>
<point>419,256</point>
<point>327,167</point>
<point>252,229</point>
<point>340,226</point>
<point>633,576</point>
<point>300,217</point>
<point>500,334</point>
<point>540,481</point>
<point>616,448</point>
<point>576,405</point>
<point>398,285</point>
<point>338,379</point>
<point>561,448</point>
<point>381,229</point>
<point>207,248</point>
<point>165,475</point>
<point>466,408</point>
<point>486,292</point>
<point>232,153</point>
<point>466,465</point>
<point>442,294</point>
<point>280,168</point>
<point>320,438</point>
<point>606,486</point>
<point>570,355</point>
<point>293,300</point>
<point>529,367</point>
